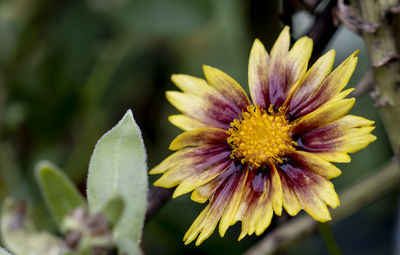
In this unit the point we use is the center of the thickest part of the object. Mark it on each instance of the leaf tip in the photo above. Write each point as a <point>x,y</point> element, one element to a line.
<point>43,167</point>
<point>128,114</point>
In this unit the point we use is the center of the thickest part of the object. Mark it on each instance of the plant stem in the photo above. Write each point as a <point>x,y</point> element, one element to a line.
<point>323,29</point>
<point>385,62</point>
<point>329,239</point>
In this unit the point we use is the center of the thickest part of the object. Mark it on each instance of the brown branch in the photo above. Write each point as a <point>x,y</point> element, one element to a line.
<point>310,5</point>
<point>347,16</point>
<point>365,85</point>
<point>352,199</point>
<point>323,29</point>
<point>385,62</point>
<point>324,26</point>
<point>2,99</point>
<point>156,198</point>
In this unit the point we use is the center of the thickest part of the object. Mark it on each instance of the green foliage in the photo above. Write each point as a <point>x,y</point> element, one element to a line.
<point>117,191</point>
<point>173,17</point>
<point>59,193</point>
<point>128,247</point>
<point>19,234</point>
<point>118,168</point>
<point>113,209</point>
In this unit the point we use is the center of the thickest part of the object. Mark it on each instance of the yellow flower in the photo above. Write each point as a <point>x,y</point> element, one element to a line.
<point>251,159</point>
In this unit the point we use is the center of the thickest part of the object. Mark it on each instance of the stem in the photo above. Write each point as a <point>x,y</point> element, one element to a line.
<point>385,62</point>
<point>366,84</point>
<point>353,198</point>
<point>322,30</point>
<point>2,99</point>
<point>156,198</point>
<point>329,239</point>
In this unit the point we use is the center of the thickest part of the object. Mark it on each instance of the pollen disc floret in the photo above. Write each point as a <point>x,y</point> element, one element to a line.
<point>260,137</point>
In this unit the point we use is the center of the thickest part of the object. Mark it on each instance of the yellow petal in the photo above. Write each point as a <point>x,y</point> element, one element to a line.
<point>194,229</point>
<point>188,157</point>
<point>256,209</point>
<point>194,171</point>
<point>353,143</point>
<point>199,197</point>
<point>265,218</point>
<point>323,115</point>
<point>227,86</point>
<point>326,191</point>
<point>185,122</point>
<point>258,216</point>
<point>276,191</point>
<point>281,45</point>
<point>333,156</point>
<point>228,217</point>
<point>199,136</point>
<point>290,201</point>
<point>206,222</point>
<point>312,191</point>
<point>303,92</point>
<point>192,85</point>
<point>339,78</point>
<point>312,92</point>
<point>314,206</point>
<point>341,95</point>
<point>347,134</point>
<point>350,121</point>
<point>202,91</point>
<point>199,108</point>
<point>258,74</point>
<point>202,194</point>
<point>169,162</point>
<point>198,178</point>
<point>315,164</point>
<point>298,57</point>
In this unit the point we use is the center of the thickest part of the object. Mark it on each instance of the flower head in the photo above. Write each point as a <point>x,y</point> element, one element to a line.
<point>251,159</point>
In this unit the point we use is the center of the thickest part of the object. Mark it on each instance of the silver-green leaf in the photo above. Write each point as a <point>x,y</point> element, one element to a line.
<point>113,209</point>
<point>60,194</point>
<point>118,168</point>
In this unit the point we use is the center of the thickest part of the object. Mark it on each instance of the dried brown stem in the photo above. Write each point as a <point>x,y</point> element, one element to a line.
<point>156,198</point>
<point>365,85</point>
<point>347,16</point>
<point>385,62</point>
<point>323,29</point>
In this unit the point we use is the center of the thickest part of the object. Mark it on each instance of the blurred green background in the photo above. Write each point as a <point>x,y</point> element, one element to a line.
<point>69,70</point>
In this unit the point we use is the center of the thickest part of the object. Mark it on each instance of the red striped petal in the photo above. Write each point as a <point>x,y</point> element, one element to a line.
<point>206,222</point>
<point>310,191</point>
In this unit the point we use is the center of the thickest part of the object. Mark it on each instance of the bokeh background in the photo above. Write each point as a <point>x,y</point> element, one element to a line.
<point>69,70</point>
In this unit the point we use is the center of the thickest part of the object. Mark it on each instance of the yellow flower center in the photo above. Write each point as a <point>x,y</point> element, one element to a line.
<point>260,136</point>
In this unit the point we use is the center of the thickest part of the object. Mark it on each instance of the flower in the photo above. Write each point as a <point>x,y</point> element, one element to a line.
<point>251,159</point>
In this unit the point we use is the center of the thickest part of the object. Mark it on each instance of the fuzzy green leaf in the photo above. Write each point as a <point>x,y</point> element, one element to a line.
<point>128,247</point>
<point>59,193</point>
<point>118,168</point>
<point>113,209</point>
